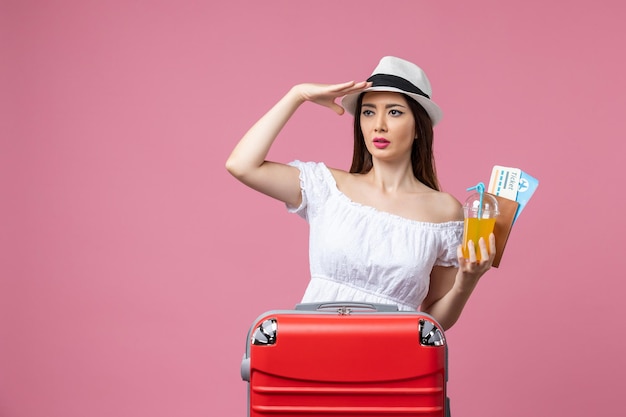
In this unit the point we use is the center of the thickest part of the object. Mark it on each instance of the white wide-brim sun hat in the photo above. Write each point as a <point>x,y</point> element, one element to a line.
<point>400,76</point>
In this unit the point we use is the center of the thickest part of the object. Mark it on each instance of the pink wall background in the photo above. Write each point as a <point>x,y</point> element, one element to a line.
<point>131,264</point>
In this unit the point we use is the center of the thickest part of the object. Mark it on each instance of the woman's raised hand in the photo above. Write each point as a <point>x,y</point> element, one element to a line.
<point>326,94</point>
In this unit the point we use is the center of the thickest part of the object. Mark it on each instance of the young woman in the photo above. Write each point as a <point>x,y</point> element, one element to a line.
<point>382,232</point>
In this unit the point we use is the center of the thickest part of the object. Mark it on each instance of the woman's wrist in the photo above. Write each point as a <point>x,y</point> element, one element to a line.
<point>463,286</point>
<point>295,94</point>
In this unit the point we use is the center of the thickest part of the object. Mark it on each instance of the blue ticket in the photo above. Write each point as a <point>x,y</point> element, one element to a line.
<point>527,187</point>
<point>513,184</point>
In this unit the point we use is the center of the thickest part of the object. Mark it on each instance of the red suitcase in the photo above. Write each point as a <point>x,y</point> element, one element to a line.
<point>346,359</point>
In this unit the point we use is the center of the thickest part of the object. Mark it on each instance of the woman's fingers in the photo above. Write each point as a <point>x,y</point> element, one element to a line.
<point>492,245</point>
<point>314,91</point>
<point>349,87</point>
<point>472,250</point>
<point>487,254</point>
<point>484,252</point>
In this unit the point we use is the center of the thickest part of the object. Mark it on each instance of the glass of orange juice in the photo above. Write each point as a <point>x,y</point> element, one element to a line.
<point>480,210</point>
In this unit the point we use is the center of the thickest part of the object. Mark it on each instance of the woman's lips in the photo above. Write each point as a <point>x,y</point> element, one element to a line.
<point>381,143</point>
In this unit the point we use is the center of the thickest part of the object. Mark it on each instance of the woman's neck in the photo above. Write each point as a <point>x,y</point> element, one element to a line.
<point>394,177</point>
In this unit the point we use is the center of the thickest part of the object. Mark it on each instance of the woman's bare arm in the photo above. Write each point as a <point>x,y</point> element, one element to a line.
<point>248,163</point>
<point>450,288</point>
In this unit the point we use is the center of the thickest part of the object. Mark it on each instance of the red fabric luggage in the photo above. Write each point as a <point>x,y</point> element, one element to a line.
<point>346,359</point>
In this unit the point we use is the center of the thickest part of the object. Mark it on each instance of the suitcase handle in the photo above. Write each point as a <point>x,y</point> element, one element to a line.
<point>346,307</point>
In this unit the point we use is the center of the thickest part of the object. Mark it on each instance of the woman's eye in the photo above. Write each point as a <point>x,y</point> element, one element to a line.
<point>395,112</point>
<point>367,112</point>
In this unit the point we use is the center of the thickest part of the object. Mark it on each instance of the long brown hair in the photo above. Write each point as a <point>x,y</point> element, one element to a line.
<point>422,159</point>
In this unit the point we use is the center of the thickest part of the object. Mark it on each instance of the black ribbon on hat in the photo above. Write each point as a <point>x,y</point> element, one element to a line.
<point>386,80</point>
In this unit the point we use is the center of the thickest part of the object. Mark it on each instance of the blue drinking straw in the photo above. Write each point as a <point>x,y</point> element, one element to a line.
<point>480,187</point>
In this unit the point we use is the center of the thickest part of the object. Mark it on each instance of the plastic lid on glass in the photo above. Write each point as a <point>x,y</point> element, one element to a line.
<point>480,204</point>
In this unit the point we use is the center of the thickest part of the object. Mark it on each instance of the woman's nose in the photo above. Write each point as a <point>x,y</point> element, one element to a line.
<point>381,125</point>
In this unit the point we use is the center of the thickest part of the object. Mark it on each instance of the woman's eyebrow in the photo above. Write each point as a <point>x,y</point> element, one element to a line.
<point>387,106</point>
